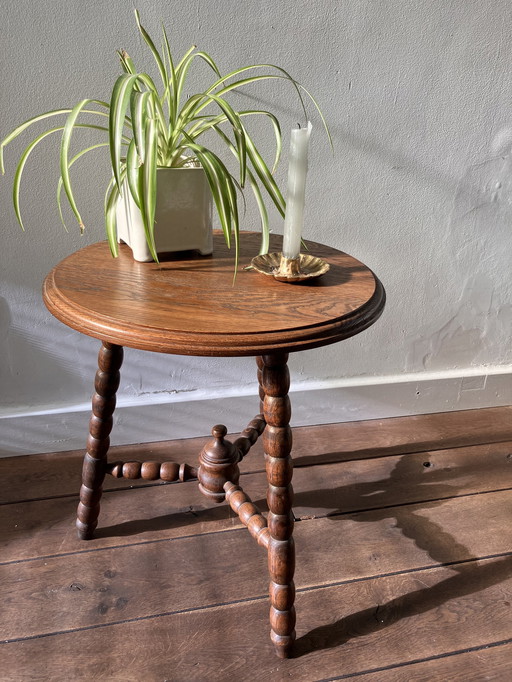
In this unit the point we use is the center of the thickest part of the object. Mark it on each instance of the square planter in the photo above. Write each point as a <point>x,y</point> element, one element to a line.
<point>183,217</point>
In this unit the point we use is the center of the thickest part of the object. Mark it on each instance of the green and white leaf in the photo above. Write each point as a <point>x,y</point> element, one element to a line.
<point>150,126</point>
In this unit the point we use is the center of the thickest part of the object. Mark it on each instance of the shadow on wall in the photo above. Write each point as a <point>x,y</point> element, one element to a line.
<point>478,239</point>
<point>370,146</point>
<point>31,369</point>
<point>47,373</point>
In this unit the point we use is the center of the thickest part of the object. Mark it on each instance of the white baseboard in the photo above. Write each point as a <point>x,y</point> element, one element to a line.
<point>322,402</point>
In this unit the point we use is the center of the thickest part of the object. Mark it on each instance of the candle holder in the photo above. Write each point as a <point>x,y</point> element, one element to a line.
<point>292,270</point>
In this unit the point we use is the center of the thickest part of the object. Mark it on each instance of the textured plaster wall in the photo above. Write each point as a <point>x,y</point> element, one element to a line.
<point>418,96</point>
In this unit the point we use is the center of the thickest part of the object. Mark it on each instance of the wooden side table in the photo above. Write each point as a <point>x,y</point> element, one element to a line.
<point>190,306</point>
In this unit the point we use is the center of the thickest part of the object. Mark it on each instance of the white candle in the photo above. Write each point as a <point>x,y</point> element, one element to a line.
<point>297,170</point>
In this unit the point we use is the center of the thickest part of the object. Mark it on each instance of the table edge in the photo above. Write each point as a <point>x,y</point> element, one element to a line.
<point>217,344</point>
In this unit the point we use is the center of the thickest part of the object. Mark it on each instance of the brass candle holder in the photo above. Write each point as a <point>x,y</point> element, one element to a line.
<point>292,270</point>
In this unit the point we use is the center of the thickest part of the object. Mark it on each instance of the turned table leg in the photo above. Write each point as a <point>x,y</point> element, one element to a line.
<point>277,443</point>
<point>106,384</point>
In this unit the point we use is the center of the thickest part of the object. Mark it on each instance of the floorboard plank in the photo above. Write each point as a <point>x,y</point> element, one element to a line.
<point>343,630</point>
<point>403,479</point>
<point>404,563</point>
<point>99,587</point>
<point>56,474</point>
<point>492,663</point>
<point>46,527</point>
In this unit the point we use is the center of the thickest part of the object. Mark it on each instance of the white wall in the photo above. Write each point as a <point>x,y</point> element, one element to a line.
<point>418,96</point>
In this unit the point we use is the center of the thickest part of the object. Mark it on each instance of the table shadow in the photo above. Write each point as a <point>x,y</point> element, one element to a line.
<point>470,578</point>
<point>441,546</point>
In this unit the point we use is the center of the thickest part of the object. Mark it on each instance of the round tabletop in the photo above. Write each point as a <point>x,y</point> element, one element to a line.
<point>191,306</point>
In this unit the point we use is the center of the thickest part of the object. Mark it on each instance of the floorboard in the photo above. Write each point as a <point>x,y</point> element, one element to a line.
<point>116,583</point>
<point>404,563</point>
<point>49,474</point>
<point>179,510</point>
<point>343,629</point>
<point>483,663</point>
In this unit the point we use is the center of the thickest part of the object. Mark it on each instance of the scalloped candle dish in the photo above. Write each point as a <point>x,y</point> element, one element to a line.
<point>309,267</point>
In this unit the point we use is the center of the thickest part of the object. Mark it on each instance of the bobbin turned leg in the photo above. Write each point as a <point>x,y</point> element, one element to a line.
<point>277,443</point>
<point>106,384</point>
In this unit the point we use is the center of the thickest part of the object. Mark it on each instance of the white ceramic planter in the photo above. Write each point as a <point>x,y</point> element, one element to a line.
<point>183,218</point>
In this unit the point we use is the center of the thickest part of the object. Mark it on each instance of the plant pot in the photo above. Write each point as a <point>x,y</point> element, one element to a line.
<point>183,216</point>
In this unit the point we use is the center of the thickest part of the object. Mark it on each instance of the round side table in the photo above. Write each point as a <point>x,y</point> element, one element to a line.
<point>191,306</point>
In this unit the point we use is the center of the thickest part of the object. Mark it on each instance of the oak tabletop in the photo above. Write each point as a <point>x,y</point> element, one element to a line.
<point>189,304</point>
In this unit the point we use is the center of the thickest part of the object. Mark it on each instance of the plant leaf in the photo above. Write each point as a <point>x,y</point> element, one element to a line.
<point>132,172</point>
<point>64,152</point>
<point>154,51</point>
<point>126,62</point>
<point>128,66</point>
<point>284,75</point>
<point>239,132</point>
<point>155,103</point>
<point>121,94</point>
<point>147,186</point>
<point>49,114</point>
<point>265,176</point>
<point>277,133</point>
<point>221,185</point>
<point>317,107</point>
<point>223,190</point>
<point>138,111</point>
<point>184,65</point>
<point>75,158</point>
<point>265,231</point>
<point>237,72</point>
<point>23,160</point>
<point>207,122</point>
<point>172,84</point>
<point>111,198</point>
<point>19,171</point>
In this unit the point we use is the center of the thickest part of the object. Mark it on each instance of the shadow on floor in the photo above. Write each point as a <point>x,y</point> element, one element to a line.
<point>441,546</point>
<point>470,578</point>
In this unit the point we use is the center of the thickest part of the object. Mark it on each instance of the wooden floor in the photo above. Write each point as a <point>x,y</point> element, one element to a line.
<point>404,563</point>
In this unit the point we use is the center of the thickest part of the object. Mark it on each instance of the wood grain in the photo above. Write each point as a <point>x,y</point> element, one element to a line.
<point>191,306</point>
<point>98,587</point>
<point>94,467</point>
<point>45,527</point>
<point>344,629</point>
<point>55,474</point>
<point>403,569</point>
<point>277,443</point>
<point>494,663</point>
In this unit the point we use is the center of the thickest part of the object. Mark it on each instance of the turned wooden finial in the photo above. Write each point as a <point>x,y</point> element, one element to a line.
<point>218,464</point>
<point>219,431</point>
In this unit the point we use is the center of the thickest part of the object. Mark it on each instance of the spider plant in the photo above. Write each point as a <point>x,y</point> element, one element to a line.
<point>146,127</point>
